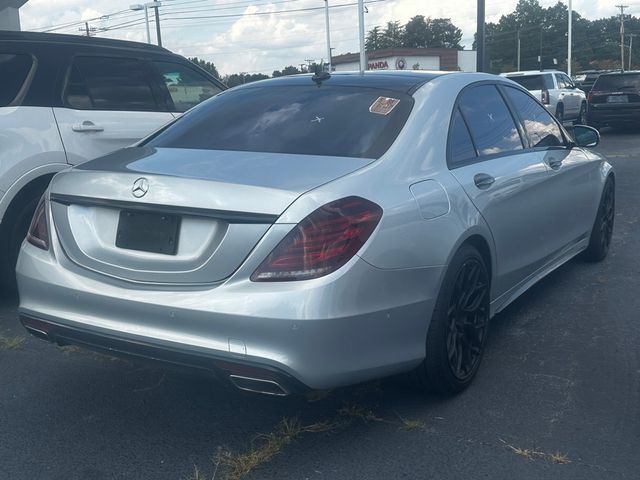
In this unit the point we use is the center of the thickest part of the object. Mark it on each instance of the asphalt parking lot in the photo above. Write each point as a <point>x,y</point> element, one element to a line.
<point>557,397</point>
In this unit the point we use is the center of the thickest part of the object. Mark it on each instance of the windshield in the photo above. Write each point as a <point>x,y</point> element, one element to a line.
<point>618,82</point>
<point>311,120</point>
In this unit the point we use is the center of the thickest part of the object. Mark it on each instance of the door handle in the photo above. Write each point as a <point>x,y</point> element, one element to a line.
<point>483,180</point>
<point>555,163</point>
<point>87,126</point>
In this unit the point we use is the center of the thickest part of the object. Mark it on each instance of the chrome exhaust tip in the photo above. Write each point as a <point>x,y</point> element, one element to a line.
<point>258,385</point>
<point>37,333</point>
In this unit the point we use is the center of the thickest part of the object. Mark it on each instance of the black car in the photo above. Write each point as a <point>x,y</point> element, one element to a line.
<point>614,100</point>
<point>585,79</point>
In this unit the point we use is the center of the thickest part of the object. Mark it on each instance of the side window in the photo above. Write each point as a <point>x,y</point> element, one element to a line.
<point>568,82</point>
<point>109,83</point>
<point>561,81</point>
<point>490,122</point>
<point>186,87</point>
<point>542,129</point>
<point>15,69</point>
<point>548,82</point>
<point>461,148</point>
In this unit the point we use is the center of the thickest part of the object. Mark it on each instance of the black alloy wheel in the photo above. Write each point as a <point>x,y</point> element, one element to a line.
<point>458,328</point>
<point>602,232</point>
<point>468,319</point>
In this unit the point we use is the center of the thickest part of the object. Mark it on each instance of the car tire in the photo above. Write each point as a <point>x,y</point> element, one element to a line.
<point>582,115</point>
<point>17,224</point>
<point>459,327</point>
<point>602,231</point>
<point>560,113</point>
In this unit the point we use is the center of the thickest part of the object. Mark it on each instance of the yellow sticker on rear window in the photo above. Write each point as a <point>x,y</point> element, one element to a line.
<point>383,105</point>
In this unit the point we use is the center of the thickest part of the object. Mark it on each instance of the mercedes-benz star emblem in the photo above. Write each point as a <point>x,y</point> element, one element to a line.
<point>140,187</point>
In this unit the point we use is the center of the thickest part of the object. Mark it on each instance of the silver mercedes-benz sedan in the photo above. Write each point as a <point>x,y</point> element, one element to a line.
<point>309,232</point>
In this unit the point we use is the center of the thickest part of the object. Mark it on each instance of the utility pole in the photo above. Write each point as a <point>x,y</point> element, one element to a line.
<point>622,7</point>
<point>480,37</point>
<point>363,54</point>
<point>540,53</point>
<point>569,31</point>
<point>86,26</point>
<point>518,34</point>
<point>326,18</point>
<point>156,6</point>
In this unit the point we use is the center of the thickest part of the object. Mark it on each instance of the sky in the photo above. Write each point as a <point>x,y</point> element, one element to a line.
<point>259,36</point>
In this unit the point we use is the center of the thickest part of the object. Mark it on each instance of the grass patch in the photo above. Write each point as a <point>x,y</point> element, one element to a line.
<point>533,454</point>
<point>359,412</point>
<point>410,424</point>
<point>11,343</point>
<point>265,446</point>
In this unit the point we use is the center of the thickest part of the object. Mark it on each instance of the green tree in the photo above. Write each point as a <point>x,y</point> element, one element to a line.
<point>416,33</point>
<point>208,66</point>
<point>290,70</point>
<point>373,40</point>
<point>392,36</point>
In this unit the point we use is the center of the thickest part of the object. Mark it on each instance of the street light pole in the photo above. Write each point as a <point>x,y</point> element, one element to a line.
<point>480,38</point>
<point>569,31</point>
<point>518,32</point>
<point>326,18</point>
<point>622,7</point>
<point>156,6</point>
<point>363,55</point>
<point>144,7</point>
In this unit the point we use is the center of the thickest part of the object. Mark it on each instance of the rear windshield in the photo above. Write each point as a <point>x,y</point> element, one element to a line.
<point>630,81</point>
<point>15,69</point>
<point>533,82</point>
<point>313,120</point>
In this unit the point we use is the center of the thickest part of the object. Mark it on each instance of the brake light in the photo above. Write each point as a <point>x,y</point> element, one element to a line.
<point>38,234</point>
<point>321,243</point>
<point>545,97</point>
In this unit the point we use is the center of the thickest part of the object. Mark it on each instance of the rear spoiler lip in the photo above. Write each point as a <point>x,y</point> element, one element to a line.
<point>224,215</point>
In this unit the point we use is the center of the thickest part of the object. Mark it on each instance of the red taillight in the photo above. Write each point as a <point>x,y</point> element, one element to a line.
<point>545,97</point>
<point>322,242</point>
<point>38,234</point>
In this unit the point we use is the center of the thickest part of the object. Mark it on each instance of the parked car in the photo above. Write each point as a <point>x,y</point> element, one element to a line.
<point>556,91</point>
<point>585,79</point>
<point>308,232</point>
<point>614,100</point>
<point>65,99</point>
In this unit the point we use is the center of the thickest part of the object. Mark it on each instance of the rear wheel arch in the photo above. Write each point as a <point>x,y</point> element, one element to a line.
<point>480,243</point>
<point>15,223</point>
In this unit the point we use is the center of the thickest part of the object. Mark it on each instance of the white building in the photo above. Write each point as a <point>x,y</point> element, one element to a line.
<point>9,16</point>
<point>409,59</point>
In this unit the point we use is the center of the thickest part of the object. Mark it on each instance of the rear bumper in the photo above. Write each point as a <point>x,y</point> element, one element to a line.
<point>607,115</point>
<point>354,325</point>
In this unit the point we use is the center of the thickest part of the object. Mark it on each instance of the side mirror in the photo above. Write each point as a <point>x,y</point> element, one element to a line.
<point>586,136</point>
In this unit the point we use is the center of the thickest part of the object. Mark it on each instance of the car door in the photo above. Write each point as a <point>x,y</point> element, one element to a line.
<point>505,182</point>
<point>566,95</point>
<point>572,183</point>
<point>110,103</point>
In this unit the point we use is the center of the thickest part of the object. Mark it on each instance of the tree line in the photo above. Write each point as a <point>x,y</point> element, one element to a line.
<point>543,39</point>
<point>542,33</point>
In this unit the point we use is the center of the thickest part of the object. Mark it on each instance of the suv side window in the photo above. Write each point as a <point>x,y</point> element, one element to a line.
<point>15,69</point>
<point>492,127</point>
<point>461,148</point>
<point>542,129</point>
<point>186,87</point>
<point>109,83</point>
<point>568,82</point>
<point>561,81</point>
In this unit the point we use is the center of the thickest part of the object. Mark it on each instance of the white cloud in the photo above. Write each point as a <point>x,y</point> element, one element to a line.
<point>252,43</point>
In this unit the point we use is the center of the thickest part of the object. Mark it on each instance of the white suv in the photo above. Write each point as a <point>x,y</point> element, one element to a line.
<point>65,99</point>
<point>556,91</point>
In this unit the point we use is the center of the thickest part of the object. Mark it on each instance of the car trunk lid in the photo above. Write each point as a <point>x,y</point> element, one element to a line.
<point>179,216</point>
